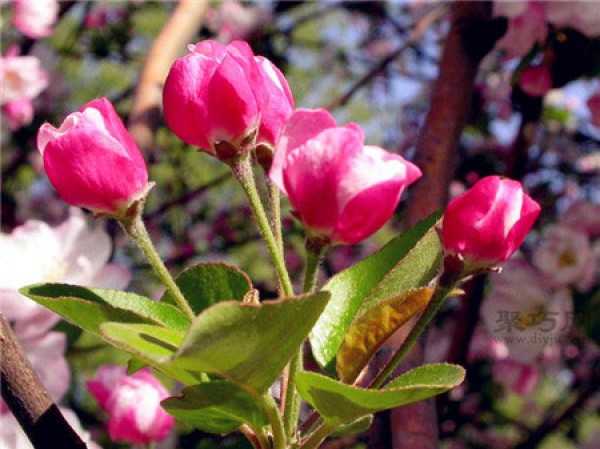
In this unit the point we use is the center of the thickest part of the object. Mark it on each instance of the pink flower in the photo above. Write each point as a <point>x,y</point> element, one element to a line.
<point>278,105</point>
<point>132,403</point>
<point>535,81</point>
<point>565,257</point>
<point>20,77</point>
<point>92,161</point>
<point>214,97</point>
<point>584,216</point>
<point>19,113</point>
<point>340,189</point>
<point>34,18</point>
<point>486,225</point>
<point>524,314</point>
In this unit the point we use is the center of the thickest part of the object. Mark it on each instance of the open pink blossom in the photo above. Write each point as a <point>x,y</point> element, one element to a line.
<point>524,313</point>
<point>342,190</point>
<point>92,161</point>
<point>485,225</point>
<point>35,18</point>
<point>565,257</point>
<point>20,77</point>
<point>535,81</point>
<point>132,403</point>
<point>72,252</point>
<point>214,97</point>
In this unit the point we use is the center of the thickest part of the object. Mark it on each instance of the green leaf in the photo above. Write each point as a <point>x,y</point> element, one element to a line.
<point>249,344</point>
<point>339,403</point>
<point>88,308</point>
<point>370,331</point>
<point>216,407</point>
<point>206,284</point>
<point>149,344</point>
<point>407,261</point>
<point>353,428</point>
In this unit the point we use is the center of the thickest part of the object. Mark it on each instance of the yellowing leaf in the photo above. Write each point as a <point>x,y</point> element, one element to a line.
<point>369,331</point>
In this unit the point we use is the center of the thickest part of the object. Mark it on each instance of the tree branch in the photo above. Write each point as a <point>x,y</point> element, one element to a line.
<point>29,401</point>
<point>180,30</point>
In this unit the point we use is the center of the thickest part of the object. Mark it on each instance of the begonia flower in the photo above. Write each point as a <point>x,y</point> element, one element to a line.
<point>485,225</point>
<point>341,190</point>
<point>92,161</point>
<point>214,98</point>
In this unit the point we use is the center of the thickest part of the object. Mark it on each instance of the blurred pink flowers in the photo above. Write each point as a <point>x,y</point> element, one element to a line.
<point>132,403</point>
<point>565,257</point>
<point>340,189</point>
<point>487,224</point>
<point>525,314</point>
<point>19,113</point>
<point>92,161</point>
<point>35,18</point>
<point>222,95</point>
<point>20,77</point>
<point>71,252</point>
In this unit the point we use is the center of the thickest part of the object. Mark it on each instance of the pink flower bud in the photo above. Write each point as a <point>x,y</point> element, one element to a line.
<point>341,190</point>
<point>132,403</point>
<point>92,161</point>
<point>214,95</point>
<point>486,224</point>
<point>278,105</point>
<point>535,81</point>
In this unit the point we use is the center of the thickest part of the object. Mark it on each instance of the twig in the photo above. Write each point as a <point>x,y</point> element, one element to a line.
<point>178,31</point>
<point>29,401</point>
<point>416,34</point>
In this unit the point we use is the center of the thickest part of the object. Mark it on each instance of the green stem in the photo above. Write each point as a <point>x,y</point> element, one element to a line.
<point>134,227</point>
<point>291,410</point>
<point>275,211</point>
<point>270,408</point>
<point>315,249</point>
<point>317,437</point>
<point>242,171</point>
<point>445,286</point>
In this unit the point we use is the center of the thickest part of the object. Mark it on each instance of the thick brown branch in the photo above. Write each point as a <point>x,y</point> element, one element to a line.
<point>180,30</point>
<point>29,401</point>
<point>468,41</point>
<point>466,44</point>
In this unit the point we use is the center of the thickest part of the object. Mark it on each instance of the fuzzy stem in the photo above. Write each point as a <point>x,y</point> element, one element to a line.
<point>317,437</point>
<point>242,170</point>
<point>270,408</point>
<point>275,211</point>
<point>315,249</point>
<point>134,227</point>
